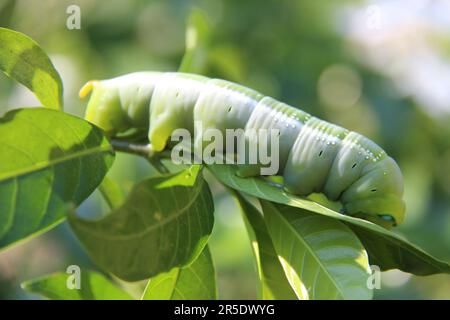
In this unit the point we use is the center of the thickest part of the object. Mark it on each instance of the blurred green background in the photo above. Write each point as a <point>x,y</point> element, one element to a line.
<point>381,68</point>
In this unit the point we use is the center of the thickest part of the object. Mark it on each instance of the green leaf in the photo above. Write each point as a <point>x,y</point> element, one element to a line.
<point>197,38</point>
<point>322,257</point>
<point>164,223</point>
<point>273,282</point>
<point>385,248</point>
<point>23,60</point>
<point>111,192</point>
<point>93,286</point>
<point>50,161</point>
<point>196,281</point>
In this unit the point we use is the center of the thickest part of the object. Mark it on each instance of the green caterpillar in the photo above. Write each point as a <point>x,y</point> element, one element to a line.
<point>315,156</point>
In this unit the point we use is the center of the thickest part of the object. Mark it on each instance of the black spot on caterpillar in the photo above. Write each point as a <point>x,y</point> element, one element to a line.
<point>315,156</point>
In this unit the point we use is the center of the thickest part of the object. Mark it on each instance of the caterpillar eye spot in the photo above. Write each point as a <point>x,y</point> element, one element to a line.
<point>229,109</point>
<point>320,153</point>
<point>354,165</point>
<point>373,190</point>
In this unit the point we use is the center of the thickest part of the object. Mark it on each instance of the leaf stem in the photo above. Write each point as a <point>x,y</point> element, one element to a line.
<point>143,150</point>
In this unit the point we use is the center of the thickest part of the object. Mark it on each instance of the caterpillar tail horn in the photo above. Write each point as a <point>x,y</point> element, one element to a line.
<point>87,88</point>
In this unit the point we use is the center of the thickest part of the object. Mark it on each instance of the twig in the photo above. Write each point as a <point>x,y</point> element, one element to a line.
<point>144,150</point>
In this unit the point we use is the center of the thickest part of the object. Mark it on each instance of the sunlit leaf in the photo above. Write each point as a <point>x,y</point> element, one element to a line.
<point>386,249</point>
<point>23,60</point>
<point>61,286</point>
<point>322,257</point>
<point>164,223</point>
<point>196,281</point>
<point>50,161</point>
<point>273,281</point>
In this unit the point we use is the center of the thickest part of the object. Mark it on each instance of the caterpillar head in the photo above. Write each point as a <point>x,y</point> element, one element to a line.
<point>104,108</point>
<point>377,194</point>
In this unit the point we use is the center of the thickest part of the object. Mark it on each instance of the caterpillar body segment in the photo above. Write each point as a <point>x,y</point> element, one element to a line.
<point>223,105</point>
<point>314,155</point>
<point>120,103</point>
<point>172,106</point>
<point>270,114</point>
<point>311,156</point>
<point>348,165</point>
